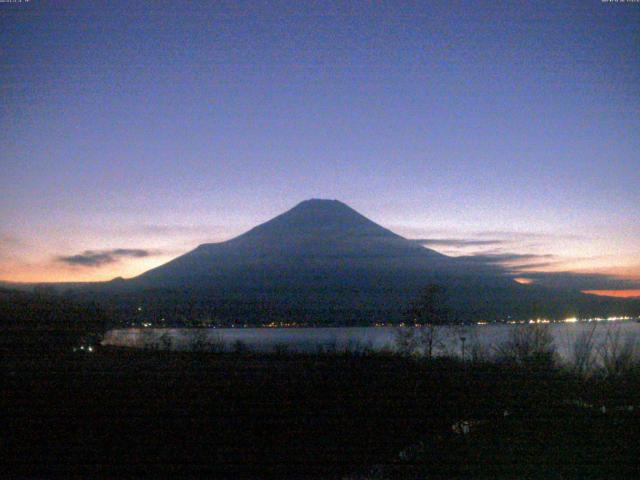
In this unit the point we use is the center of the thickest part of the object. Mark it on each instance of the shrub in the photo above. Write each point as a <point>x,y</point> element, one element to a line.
<point>357,348</point>
<point>165,341</point>
<point>281,349</point>
<point>240,347</point>
<point>476,351</point>
<point>328,347</point>
<point>198,341</point>
<point>148,340</point>
<point>216,344</point>
<point>528,344</point>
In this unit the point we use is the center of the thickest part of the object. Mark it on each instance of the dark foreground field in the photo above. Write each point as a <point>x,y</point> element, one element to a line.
<point>118,413</point>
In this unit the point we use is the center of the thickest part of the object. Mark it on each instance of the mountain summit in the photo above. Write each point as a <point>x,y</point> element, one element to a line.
<point>320,217</point>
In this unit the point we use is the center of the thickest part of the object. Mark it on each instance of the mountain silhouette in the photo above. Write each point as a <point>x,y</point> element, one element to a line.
<point>324,263</point>
<point>320,234</point>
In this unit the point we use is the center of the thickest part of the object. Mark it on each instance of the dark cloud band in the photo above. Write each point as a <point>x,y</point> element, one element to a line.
<point>457,242</point>
<point>98,258</point>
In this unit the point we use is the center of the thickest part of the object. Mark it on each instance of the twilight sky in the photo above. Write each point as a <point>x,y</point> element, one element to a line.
<point>130,132</point>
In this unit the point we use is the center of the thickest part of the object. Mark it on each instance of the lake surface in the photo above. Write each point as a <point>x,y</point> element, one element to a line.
<point>353,338</point>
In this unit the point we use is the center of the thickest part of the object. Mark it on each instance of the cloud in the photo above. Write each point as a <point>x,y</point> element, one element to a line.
<point>503,236</point>
<point>524,235</point>
<point>98,258</point>
<point>525,267</point>
<point>528,265</point>
<point>458,242</point>
<point>581,281</point>
<point>513,260</point>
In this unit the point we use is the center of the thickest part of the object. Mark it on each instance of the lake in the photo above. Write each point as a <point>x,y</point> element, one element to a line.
<point>353,338</point>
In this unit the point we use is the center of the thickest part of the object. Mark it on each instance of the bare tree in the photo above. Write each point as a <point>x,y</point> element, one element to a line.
<point>405,340</point>
<point>429,338</point>
<point>583,351</point>
<point>618,354</point>
<point>429,312</point>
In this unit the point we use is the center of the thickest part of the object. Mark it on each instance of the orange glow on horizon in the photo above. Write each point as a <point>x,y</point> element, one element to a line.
<point>523,281</point>
<point>51,272</point>
<point>614,293</point>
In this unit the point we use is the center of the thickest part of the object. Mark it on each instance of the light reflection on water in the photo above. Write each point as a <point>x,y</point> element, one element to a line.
<point>353,338</point>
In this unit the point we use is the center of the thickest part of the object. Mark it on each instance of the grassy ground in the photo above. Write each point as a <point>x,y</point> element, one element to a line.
<point>118,413</point>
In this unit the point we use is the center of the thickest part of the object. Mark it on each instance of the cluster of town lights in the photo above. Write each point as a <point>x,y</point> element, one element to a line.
<point>82,348</point>
<point>566,320</point>
<point>282,324</point>
<point>533,321</point>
